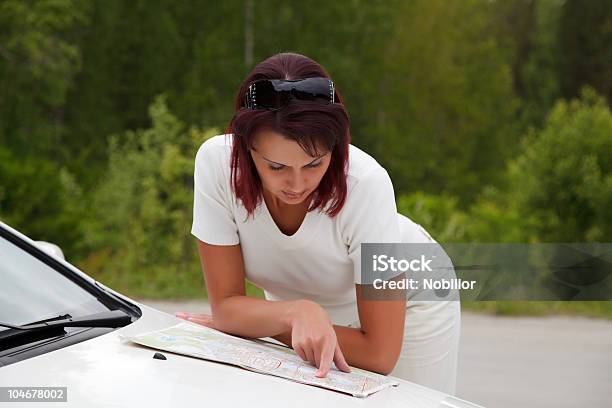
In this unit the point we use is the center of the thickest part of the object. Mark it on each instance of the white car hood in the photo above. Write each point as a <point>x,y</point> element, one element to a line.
<point>110,372</point>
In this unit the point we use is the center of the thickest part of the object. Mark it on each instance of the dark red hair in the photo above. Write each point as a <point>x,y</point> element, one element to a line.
<point>309,123</point>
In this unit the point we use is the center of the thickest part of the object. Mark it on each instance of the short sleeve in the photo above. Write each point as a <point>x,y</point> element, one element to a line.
<point>213,219</point>
<point>369,216</point>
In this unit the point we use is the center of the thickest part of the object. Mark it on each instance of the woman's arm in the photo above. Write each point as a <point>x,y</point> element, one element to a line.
<point>312,335</point>
<point>232,310</point>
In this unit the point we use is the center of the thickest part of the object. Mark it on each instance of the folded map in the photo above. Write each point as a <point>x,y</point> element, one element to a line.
<point>256,355</point>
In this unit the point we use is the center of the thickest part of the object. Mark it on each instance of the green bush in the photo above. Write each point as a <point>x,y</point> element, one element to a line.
<point>563,177</point>
<point>439,214</point>
<point>41,200</point>
<point>558,189</point>
<point>487,220</point>
<point>142,211</point>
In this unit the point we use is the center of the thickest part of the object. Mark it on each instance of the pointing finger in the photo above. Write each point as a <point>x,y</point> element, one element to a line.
<point>327,355</point>
<point>340,361</point>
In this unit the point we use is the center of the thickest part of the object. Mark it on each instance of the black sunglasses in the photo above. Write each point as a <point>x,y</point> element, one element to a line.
<point>273,94</point>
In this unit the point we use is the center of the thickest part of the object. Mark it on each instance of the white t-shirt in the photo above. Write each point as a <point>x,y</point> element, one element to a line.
<point>321,261</point>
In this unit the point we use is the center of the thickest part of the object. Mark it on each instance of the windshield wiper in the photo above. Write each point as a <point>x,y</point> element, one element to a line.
<point>112,318</point>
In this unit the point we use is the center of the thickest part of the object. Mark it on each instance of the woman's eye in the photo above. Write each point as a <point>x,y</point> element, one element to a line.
<point>279,168</point>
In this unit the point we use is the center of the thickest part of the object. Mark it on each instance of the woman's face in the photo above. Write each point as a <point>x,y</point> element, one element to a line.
<point>285,169</point>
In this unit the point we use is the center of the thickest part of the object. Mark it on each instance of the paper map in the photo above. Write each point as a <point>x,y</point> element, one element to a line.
<point>259,356</point>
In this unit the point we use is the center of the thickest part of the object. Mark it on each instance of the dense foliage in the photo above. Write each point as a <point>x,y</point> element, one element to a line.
<point>492,117</point>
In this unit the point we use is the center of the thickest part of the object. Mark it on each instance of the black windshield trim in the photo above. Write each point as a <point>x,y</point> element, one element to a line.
<point>108,299</point>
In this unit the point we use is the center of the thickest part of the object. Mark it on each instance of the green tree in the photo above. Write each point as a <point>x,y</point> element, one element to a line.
<point>528,31</point>
<point>558,188</point>
<point>41,200</point>
<point>492,218</point>
<point>141,213</point>
<point>439,214</point>
<point>445,102</point>
<point>585,35</point>
<point>38,62</point>
<point>563,177</point>
<point>131,51</point>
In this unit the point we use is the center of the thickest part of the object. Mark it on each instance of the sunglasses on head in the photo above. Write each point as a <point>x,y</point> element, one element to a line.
<point>273,94</point>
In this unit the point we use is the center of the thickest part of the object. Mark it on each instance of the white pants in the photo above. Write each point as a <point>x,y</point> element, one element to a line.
<point>431,332</point>
<point>431,343</point>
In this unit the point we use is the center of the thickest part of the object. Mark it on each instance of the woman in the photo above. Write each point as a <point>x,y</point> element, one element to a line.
<point>285,201</point>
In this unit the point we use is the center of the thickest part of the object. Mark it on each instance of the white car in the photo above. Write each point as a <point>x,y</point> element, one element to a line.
<point>79,348</point>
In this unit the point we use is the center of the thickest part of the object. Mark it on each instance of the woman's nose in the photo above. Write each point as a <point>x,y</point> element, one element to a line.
<point>297,182</point>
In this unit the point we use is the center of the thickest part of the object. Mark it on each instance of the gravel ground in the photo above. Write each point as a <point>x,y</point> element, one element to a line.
<point>505,362</point>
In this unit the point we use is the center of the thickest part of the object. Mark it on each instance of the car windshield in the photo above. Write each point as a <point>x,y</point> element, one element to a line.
<point>31,290</point>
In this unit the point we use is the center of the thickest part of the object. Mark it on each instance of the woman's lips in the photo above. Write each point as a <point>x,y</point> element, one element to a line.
<point>293,195</point>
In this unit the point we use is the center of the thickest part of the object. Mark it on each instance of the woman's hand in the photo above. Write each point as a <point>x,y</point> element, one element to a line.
<point>314,339</point>
<point>199,318</point>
